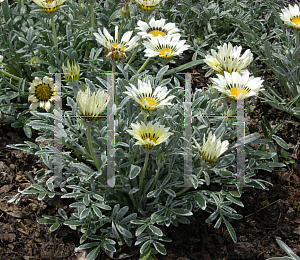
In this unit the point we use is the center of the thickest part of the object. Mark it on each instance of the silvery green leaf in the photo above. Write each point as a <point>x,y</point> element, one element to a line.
<point>160,247</point>
<point>140,229</point>
<point>145,247</point>
<point>55,226</point>
<point>230,230</point>
<point>134,171</point>
<point>85,213</point>
<point>157,231</point>
<point>62,213</point>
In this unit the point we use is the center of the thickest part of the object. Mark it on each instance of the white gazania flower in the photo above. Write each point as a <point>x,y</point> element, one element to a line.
<point>238,86</point>
<point>291,16</point>
<point>148,4</point>
<point>116,49</point>
<point>43,93</point>
<point>146,99</point>
<point>149,135</point>
<point>91,106</point>
<point>228,59</point>
<point>49,5</point>
<point>155,28</point>
<point>165,47</point>
<point>212,148</point>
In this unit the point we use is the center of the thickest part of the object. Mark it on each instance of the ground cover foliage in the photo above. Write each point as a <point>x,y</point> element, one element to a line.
<point>149,177</point>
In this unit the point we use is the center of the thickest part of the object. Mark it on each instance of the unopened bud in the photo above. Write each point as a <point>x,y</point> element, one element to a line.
<point>125,13</point>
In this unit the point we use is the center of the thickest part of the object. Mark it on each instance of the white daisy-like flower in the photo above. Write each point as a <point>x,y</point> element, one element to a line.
<point>116,49</point>
<point>212,148</point>
<point>148,4</point>
<point>92,105</point>
<point>238,86</point>
<point>44,91</point>
<point>149,135</point>
<point>165,47</point>
<point>291,16</point>
<point>49,5</point>
<point>157,27</point>
<point>228,59</point>
<point>146,99</point>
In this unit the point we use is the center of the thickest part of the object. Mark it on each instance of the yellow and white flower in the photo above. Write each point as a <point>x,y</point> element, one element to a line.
<point>165,47</point>
<point>92,105</point>
<point>44,92</point>
<point>148,4</point>
<point>212,148</point>
<point>116,49</point>
<point>238,86</point>
<point>228,59</point>
<point>149,135</point>
<point>49,5</point>
<point>73,71</point>
<point>157,27</point>
<point>291,16</point>
<point>146,99</point>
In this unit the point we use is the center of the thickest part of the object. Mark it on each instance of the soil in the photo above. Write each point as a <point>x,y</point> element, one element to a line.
<point>267,214</point>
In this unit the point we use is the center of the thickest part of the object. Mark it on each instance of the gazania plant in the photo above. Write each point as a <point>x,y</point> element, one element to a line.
<point>139,151</point>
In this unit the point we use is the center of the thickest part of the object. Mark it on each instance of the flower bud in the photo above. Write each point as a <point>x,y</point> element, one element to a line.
<point>125,13</point>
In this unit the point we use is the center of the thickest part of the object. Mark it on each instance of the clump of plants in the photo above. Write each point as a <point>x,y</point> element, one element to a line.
<point>127,142</point>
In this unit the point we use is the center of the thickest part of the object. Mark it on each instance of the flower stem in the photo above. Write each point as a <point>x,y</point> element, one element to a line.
<point>113,71</point>
<point>145,118</point>
<point>92,17</point>
<point>143,174</point>
<point>155,179</point>
<point>144,65</point>
<point>54,36</point>
<point>137,47</point>
<point>135,51</point>
<point>96,161</point>
<point>297,43</point>
<point>187,188</point>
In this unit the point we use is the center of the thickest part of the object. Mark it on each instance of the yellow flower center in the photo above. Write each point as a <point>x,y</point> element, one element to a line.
<point>151,137</point>
<point>151,101</point>
<point>155,31</point>
<point>208,158</point>
<point>51,9</point>
<point>147,7</point>
<point>296,20</point>
<point>43,92</point>
<point>49,1</point>
<point>163,51</point>
<point>115,44</point>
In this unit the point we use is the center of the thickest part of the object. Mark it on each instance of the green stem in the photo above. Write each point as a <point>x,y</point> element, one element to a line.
<point>113,71</point>
<point>143,174</point>
<point>220,100</point>
<point>135,51</point>
<point>92,17</point>
<point>22,3</point>
<point>137,47</point>
<point>12,76</point>
<point>185,189</point>
<point>89,137</point>
<point>297,44</point>
<point>144,65</point>
<point>145,118</point>
<point>155,179</point>
<point>55,36</point>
